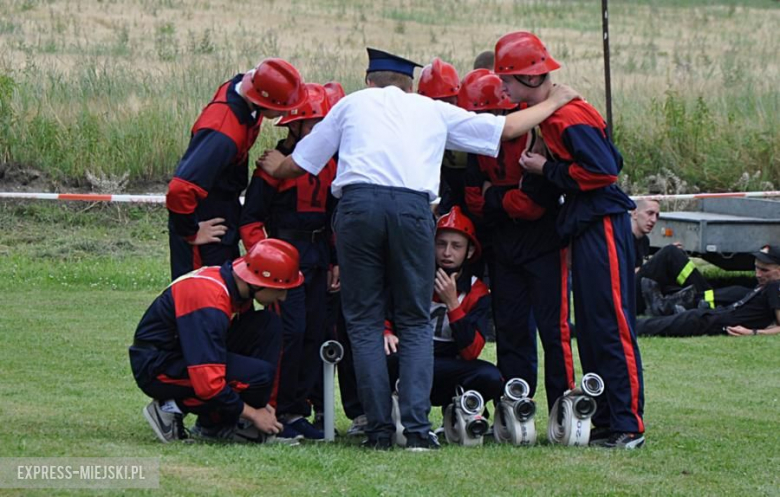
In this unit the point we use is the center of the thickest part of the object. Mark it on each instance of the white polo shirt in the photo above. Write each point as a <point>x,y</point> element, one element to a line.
<point>385,136</point>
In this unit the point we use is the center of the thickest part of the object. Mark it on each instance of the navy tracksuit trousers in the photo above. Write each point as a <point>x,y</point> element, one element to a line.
<point>253,347</point>
<point>604,306</point>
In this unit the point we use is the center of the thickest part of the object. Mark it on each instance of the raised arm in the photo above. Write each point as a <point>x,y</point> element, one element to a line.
<point>521,122</point>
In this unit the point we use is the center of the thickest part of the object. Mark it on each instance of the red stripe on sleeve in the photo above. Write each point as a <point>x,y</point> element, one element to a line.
<point>588,180</point>
<point>259,173</point>
<point>183,196</point>
<point>520,206</point>
<point>251,234</point>
<point>472,351</point>
<point>456,314</point>
<point>474,200</point>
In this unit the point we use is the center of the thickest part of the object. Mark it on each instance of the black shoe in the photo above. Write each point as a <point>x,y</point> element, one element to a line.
<point>377,443</point>
<point>599,435</point>
<point>654,299</point>
<point>685,298</point>
<point>417,442</point>
<point>625,440</point>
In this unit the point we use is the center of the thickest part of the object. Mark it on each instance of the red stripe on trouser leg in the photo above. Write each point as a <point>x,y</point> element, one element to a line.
<point>625,333</point>
<point>568,359</point>
<point>197,262</point>
<point>193,402</point>
<point>182,382</point>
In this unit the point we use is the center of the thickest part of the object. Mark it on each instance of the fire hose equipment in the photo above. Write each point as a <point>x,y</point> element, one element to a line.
<point>571,413</point>
<point>515,415</point>
<point>463,420</point>
<point>398,438</point>
<point>331,353</point>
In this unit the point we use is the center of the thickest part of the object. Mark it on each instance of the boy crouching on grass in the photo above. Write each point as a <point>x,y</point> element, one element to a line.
<point>200,348</point>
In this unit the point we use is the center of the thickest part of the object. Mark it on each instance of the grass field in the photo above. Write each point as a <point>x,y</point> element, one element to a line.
<point>113,86</point>
<point>74,283</point>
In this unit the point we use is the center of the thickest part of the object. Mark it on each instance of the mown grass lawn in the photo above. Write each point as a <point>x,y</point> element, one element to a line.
<point>75,282</point>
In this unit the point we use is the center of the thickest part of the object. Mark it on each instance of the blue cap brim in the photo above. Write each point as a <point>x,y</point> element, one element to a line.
<point>383,61</point>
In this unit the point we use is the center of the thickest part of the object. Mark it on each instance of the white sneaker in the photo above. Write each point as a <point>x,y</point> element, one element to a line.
<point>167,426</point>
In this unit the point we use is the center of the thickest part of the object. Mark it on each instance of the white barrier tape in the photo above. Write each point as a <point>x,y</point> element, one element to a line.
<point>693,196</point>
<point>160,199</point>
<point>87,197</point>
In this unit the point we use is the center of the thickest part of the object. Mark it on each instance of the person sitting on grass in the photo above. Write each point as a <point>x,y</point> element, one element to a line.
<point>668,282</point>
<point>459,315</point>
<point>201,348</point>
<point>757,313</point>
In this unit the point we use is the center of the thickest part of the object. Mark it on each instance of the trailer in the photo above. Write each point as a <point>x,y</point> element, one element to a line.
<point>722,231</point>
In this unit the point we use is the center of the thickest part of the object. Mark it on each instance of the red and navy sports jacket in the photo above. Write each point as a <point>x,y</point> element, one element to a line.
<point>520,209</point>
<point>302,204</point>
<point>585,165</point>
<point>459,332</point>
<point>214,169</point>
<point>190,320</point>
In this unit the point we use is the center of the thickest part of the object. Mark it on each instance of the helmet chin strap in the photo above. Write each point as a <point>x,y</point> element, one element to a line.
<point>451,271</point>
<point>296,136</point>
<point>541,81</point>
<point>252,291</point>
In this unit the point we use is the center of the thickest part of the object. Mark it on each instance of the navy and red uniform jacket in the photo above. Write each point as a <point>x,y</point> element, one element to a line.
<point>190,321</point>
<point>214,169</point>
<point>585,165</point>
<point>522,214</point>
<point>301,204</point>
<point>459,332</point>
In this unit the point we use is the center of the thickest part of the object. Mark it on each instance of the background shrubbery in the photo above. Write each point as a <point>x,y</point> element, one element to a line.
<point>112,87</point>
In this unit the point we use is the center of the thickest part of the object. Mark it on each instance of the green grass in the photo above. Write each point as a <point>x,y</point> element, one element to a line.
<point>67,390</point>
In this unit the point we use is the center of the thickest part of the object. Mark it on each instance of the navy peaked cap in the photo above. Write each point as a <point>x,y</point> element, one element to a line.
<point>383,61</point>
<point>768,255</point>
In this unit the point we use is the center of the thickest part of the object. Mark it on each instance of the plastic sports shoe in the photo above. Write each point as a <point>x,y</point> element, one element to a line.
<point>378,443</point>
<point>625,440</point>
<point>599,435</point>
<point>242,432</point>
<point>358,426</point>
<point>417,442</point>
<point>167,426</point>
<point>289,433</point>
<point>305,428</point>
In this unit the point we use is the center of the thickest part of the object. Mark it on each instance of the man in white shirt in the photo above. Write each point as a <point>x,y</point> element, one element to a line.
<point>390,143</point>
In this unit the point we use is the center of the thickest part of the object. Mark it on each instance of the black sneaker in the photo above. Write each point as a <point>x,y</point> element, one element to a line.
<point>242,432</point>
<point>599,435</point>
<point>305,428</point>
<point>377,443</point>
<point>625,440</point>
<point>417,442</point>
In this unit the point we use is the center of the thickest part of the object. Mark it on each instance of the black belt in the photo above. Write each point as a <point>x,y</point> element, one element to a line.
<point>300,235</point>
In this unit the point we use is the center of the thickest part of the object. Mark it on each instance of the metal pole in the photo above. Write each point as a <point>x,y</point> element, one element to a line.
<point>331,353</point>
<point>607,78</point>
